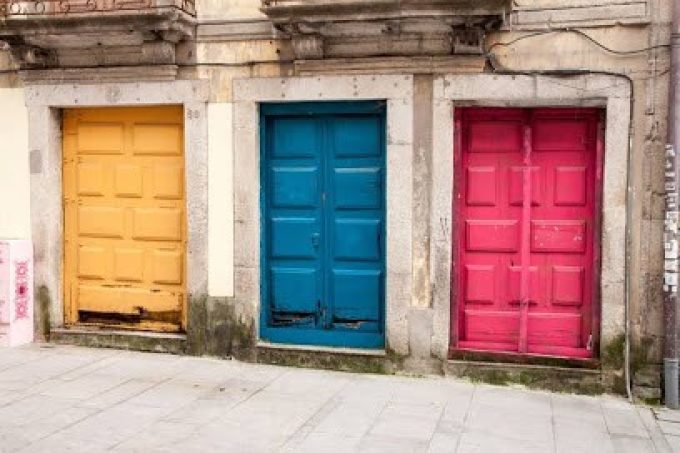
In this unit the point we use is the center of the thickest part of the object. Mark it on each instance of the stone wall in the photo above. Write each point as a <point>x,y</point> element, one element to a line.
<point>252,50</point>
<point>235,48</point>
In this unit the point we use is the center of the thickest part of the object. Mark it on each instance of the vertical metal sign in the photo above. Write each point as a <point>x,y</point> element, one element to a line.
<point>670,276</point>
<point>670,283</point>
<point>670,280</point>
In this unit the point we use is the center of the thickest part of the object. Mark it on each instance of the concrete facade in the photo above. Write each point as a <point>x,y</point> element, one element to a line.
<point>235,57</point>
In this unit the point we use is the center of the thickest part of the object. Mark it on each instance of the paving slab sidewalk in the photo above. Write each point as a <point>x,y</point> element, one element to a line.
<point>669,424</point>
<point>62,398</point>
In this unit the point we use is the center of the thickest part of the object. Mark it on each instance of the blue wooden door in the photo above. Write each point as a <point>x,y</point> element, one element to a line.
<point>323,221</point>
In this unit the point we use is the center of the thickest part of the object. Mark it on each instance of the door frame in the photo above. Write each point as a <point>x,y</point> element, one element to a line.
<point>45,103</point>
<point>321,337</point>
<point>494,90</point>
<point>397,92</point>
<point>457,229</point>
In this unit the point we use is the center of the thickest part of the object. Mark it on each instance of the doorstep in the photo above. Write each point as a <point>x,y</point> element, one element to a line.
<point>306,348</point>
<point>322,357</point>
<point>553,378</point>
<point>134,340</point>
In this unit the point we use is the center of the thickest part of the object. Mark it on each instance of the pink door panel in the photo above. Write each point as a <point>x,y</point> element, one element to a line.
<point>525,270</point>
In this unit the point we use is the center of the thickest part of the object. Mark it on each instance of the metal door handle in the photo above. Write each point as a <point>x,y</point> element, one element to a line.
<point>315,240</point>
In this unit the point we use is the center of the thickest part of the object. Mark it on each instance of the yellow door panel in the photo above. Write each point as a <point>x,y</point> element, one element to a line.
<point>156,139</point>
<point>124,211</point>
<point>167,267</point>
<point>96,138</point>
<point>92,262</point>
<point>168,182</point>
<point>126,300</point>
<point>129,181</point>
<point>129,264</point>
<point>154,224</point>
<point>91,179</point>
<point>100,221</point>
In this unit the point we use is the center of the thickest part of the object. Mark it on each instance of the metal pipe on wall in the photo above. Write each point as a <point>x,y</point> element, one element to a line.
<point>672,179</point>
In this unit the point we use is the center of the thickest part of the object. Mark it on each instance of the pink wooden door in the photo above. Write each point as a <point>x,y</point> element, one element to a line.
<point>526,201</point>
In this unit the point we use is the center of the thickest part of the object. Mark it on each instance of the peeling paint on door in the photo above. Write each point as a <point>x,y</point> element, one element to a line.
<point>124,214</point>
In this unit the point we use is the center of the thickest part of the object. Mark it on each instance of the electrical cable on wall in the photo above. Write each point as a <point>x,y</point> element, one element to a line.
<point>580,33</point>
<point>498,69</point>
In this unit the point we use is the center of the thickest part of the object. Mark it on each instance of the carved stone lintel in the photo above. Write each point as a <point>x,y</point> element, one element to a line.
<point>363,28</point>
<point>28,56</point>
<point>124,37</point>
<point>308,47</point>
<point>158,52</point>
<point>449,64</point>
<point>152,73</point>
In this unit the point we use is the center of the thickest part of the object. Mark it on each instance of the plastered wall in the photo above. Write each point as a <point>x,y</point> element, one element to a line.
<point>231,9</point>
<point>220,201</point>
<point>15,220</point>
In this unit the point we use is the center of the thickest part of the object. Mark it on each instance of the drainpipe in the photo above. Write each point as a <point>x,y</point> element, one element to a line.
<point>670,286</point>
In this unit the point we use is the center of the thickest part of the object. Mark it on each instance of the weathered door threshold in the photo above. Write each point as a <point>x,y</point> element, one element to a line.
<point>307,348</point>
<point>507,357</point>
<point>553,378</point>
<point>322,357</point>
<point>172,343</point>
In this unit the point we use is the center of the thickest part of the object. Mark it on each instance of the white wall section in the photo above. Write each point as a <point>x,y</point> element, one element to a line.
<point>220,201</point>
<point>15,217</point>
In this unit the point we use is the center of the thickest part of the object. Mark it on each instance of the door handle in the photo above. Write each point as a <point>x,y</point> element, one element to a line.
<point>315,240</point>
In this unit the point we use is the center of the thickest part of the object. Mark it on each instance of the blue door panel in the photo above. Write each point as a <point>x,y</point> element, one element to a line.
<point>358,188</point>
<point>294,290</point>
<point>294,238</point>
<point>356,294</point>
<point>357,136</point>
<point>295,187</point>
<point>339,336</point>
<point>295,137</point>
<point>357,239</point>
<point>323,220</point>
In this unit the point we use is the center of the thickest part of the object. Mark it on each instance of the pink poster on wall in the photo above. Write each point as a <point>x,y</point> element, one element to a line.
<point>16,292</point>
<point>4,283</point>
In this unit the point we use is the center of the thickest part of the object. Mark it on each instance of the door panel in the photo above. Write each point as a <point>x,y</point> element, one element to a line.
<point>555,258</point>
<point>489,227</point>
<point>294,217</point>
<point>323,266</point>
<point>355,209</point>
<point>562,231</point>
<point>124,217</point>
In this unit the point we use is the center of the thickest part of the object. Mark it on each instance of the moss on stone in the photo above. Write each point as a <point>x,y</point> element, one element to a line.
<point>613,353</point>
<point>552,379</point>
<point>44,302</point>
<point>324,360</point>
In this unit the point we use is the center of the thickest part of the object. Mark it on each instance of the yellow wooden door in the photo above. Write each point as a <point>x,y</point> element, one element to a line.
<point>124,216</point>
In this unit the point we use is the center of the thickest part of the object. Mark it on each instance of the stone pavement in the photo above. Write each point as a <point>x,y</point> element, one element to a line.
<point>669,423</point>
<point>60,398</point>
